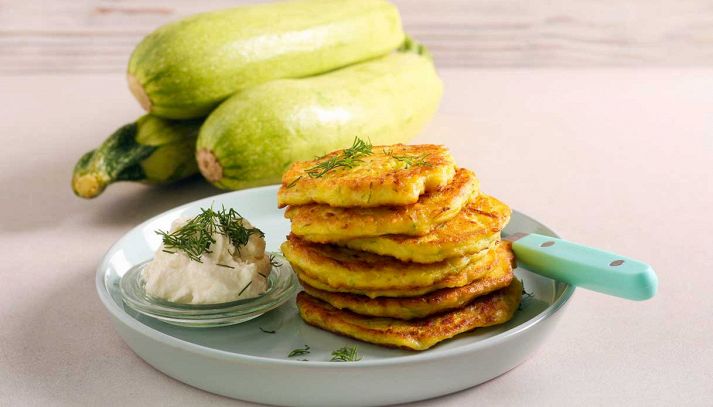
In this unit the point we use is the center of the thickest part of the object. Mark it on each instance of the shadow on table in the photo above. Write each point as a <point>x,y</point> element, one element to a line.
<point>146,201</point>
<point>39,195</point>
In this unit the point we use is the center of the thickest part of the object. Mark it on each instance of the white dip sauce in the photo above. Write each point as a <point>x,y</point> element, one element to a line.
<point>177,278</point>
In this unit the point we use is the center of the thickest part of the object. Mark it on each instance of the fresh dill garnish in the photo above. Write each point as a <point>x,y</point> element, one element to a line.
<point>224,265</point>
<point>244,288</point>
<point>266,330</point>
<point>526,295</point>
<point>413,161</point>
<point>274,262</point>
<point>349,158</point>
<point>345,354</point>
<point>299,352</point>
<point>230,224</point>
<point>410,160</point>
<point>292,184</point>
<point>196,235</point>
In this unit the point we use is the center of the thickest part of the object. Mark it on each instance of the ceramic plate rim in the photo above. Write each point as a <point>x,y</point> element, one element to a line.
<point>125,318</point>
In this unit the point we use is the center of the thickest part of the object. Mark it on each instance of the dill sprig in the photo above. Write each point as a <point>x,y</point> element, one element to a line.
<point>526,294</point>
<point>244,288</point>
<point>230,224</point>
<point>345,354</point>
<point>195,236</point>
<point>299,352</point>
<point>349,158</point>
<point>274,262</point>
<point>410,160</point>
<point>413,161</point>
<point>294,182</point>
<point>224,265</point>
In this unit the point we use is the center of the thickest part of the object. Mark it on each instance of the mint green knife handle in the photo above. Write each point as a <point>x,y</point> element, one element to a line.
<point>585,266</point>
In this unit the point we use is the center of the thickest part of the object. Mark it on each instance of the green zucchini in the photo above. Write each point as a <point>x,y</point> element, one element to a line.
<point>251,138</point>
<point>151,150</point>
<point>186,68</point>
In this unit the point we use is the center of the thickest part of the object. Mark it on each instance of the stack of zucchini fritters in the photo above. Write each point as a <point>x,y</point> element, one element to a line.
<point>394,245</point>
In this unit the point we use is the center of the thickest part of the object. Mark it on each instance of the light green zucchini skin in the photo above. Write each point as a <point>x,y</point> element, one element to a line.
<point>151,150</point>
<point>184,69</point>
<point>253,137</point>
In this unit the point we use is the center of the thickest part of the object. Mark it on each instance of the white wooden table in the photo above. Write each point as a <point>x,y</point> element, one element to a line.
<point>92,36</point>
<point>620,159</point>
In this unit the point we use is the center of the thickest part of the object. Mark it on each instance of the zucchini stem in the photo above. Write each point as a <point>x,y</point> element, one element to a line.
<point>118,158</point>
<point>412,46</point>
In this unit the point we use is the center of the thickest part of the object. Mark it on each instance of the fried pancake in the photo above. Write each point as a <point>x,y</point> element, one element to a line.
<point>323,223</point>
<point>473,229</point>
<point>389,175</point>
<point>418,334</point>
<point>418,307</point>
<point>331,268</point>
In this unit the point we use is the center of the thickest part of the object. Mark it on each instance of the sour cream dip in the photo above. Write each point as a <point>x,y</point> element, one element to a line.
<point>225,272</point>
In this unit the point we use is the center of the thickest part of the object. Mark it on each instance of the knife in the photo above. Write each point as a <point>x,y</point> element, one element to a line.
<point>584,266</point>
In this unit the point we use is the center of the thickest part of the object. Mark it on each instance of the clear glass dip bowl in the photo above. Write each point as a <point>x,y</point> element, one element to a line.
<point>282,285</point>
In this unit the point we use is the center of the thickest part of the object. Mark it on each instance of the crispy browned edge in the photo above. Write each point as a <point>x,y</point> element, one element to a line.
<point>492,309</point>
<point>294,179</point>
<point>479,264</point>
<point>462,187</point>
<point>425,305</point>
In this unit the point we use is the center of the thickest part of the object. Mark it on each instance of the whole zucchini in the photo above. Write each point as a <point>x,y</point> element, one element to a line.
<point>251,138</point>
<point>184,69</point>
<point>152,150</point>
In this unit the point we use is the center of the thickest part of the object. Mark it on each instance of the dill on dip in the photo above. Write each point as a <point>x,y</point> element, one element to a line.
<point>195,236</point>
<point>214,257</point>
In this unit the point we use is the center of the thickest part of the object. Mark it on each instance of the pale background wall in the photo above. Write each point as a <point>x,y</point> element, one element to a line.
<point>83,36</point>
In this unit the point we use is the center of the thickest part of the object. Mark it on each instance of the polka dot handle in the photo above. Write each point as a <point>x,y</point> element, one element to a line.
<point>585,266</point>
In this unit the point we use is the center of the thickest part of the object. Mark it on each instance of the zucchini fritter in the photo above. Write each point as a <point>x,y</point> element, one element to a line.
<point>323,223</point>
<point>418,334</point>
<point>475,228</point>
<point>432,303</point>
<point>387,175</point>
<point>338,269</point>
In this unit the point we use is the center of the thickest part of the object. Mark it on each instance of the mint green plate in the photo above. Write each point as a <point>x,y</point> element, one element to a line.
<point>247,362</point>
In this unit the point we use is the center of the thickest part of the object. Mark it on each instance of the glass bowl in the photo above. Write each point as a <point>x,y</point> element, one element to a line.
<point>282,285</point>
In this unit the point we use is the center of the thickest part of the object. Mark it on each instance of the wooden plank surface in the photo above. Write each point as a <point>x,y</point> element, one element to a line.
<point>69,36</point>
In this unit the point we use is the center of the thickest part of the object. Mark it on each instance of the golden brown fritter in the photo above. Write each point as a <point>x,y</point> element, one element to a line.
<point>474,229</point>
<point>390,175</point>
<point>432,303</point>
<point>323,223</point>
<point>333,268</point>
<point>417,334</point>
